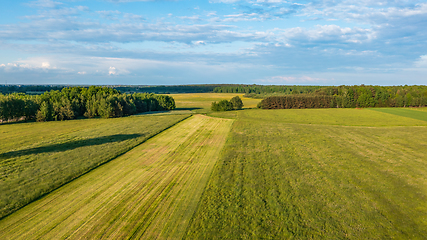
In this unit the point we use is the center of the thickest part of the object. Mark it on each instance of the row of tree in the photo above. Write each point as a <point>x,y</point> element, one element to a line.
<point>224,105</point>
<point>352,97</point>
<point>297,101</point>
<point>376,96</point>
<point>74,102</point>
<point>253,90</point>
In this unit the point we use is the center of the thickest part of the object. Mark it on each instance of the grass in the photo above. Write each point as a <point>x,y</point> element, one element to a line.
<point>329,116</point>
<point>36,158</point>
<point>404,112</point>
<point>317,174</point>
<point>201,102</point>
<point>296,173</point>
<point>150,192</point>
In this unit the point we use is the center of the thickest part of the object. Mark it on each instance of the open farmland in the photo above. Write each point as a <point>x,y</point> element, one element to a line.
<point>201,102</point>
<point>318,173</point>
<point>36,158</point>
<point>266,174</point>
<point>151,191</point>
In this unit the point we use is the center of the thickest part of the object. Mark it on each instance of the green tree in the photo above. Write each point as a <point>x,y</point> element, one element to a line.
<point>236,102</point>
<point>222,105</point>
<point>45,113</point>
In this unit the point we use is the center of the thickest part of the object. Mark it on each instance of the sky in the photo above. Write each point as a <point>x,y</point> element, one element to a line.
<point>270,42</point>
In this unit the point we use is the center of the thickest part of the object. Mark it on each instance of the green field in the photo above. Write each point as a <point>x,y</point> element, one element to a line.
<point>247,174</point>
<point>36,158</point>
<point>318,173</point>
<point>150,192</point>
<point>413,113</point>
<point>201,102</point>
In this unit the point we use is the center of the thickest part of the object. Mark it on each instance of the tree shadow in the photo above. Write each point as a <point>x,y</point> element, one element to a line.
<point>61,147</point>
<point>189,109</point>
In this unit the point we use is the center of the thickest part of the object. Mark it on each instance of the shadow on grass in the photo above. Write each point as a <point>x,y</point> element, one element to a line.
<point>189,109</point>
<point>61,147</point>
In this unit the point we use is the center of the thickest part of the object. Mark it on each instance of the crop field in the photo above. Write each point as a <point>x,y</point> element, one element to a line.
<point>201,102</point>
<point>150,192</point>
<point>247,174</point>
<point>36,158</point>
<point>318,173</point>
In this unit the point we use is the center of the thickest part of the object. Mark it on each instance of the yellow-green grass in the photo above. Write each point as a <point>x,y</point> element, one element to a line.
<point>317,174</point>
<point>149,192</point>
<point>419,109</point>
<point>201,102</point>
<point>329,116</point>
<point>36,158</point>
<point>404,112</point>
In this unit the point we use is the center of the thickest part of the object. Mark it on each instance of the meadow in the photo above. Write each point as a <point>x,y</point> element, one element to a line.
<point>246,174</point>
<point>201,102</point>
<point>36,158</point>
<point>150,192</point>
<point>318,174</point>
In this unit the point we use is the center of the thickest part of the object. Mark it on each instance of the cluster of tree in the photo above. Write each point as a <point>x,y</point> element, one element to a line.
<point>297,101</point>
<point>74,102</point>
<point>17,106</point>
<point>224,105</point>
<point>376,96</point>
<point>351,97</point>
<point>253,90</point>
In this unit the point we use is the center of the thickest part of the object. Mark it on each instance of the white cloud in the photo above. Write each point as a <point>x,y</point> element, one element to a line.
<point>421,62</point>
<point>332,33</point>
<point>112,71</point>
<point>45,65</point>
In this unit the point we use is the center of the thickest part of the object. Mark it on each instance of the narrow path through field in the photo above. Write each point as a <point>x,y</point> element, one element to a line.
<point>149,192</point>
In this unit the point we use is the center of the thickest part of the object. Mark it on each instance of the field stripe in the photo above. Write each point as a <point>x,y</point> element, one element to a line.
<point>149,192</point>
<point>409,113</point>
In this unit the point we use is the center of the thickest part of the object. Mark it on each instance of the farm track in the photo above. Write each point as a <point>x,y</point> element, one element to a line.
<point>151,191</point>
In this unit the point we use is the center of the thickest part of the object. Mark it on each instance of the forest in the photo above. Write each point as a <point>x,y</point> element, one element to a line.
<point>75,102</point>
<point>260,91</point>
<point>351,97</point>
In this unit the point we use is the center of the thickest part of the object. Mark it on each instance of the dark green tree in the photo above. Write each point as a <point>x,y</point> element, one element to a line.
<point>236,102</point>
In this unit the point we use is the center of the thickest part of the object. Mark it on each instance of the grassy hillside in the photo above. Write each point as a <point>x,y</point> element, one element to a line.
<point>36,158</point>
<point>317,173</point>
<point>150,192</point>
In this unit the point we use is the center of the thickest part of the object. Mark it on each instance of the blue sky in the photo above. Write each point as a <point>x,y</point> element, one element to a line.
<point>323,42</point>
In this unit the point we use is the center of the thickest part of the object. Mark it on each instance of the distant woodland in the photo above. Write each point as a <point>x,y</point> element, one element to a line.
<point>39,89</point>
<point>262,91</point>
<point>76,102</point>
<point>46,103</point>
<point>351,97</point>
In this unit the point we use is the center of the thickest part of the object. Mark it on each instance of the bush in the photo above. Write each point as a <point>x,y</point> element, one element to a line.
<point>222,105</point>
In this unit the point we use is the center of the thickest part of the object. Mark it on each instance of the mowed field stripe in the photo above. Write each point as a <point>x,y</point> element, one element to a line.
<point>150,192</point>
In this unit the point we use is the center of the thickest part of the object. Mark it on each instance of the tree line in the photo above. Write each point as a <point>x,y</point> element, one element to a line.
<point>76,102</point>
<point>352,97</point>
<point>254,90</point>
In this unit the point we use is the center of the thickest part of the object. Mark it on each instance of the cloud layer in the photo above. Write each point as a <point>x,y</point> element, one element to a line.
<point>150,42</point>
